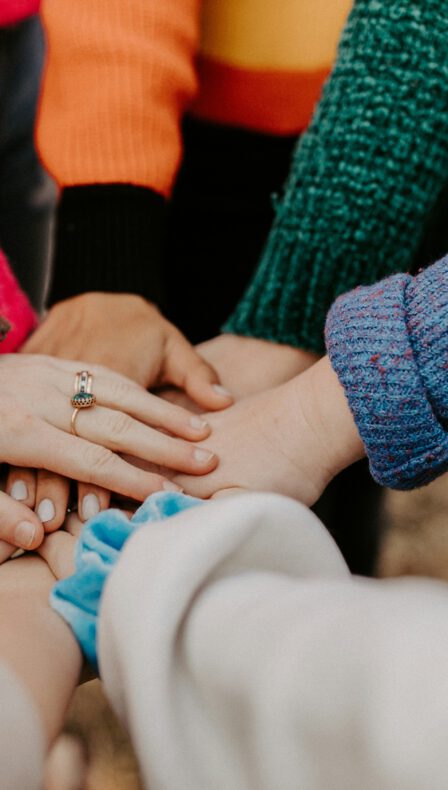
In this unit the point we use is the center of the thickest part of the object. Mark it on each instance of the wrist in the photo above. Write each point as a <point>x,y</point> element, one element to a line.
<point>328,414</point>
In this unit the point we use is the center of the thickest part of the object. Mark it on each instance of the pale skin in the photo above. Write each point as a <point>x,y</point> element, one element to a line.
<point>35,413</point>
<point>117,330</point>
<point>297,436</point>
<point>292,439</point>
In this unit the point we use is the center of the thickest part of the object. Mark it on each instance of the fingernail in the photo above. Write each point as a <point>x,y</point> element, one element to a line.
<point>171,487</point>
<point>19,491</point>
<point>221,391</point>
<point>203,456</point>
<point>24,534</point>
<point>198,424</point>
<point>46,510</point>
<point>90,506</point>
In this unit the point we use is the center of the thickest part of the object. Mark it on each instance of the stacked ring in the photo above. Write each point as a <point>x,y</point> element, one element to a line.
<point>83,398</point>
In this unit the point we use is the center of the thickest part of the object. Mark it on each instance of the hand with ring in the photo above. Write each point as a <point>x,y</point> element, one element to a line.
<point>75,420</point>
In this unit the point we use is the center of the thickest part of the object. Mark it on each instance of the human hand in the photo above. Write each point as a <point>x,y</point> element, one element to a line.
<point>292,439</point>
<point>35,411</point>
<point>58,548</point>
<point>128,334</point>
<point>247,365</point>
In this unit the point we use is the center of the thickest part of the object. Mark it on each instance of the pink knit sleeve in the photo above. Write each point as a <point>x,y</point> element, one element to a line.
<point>13,11</point>
<point>17,317</point>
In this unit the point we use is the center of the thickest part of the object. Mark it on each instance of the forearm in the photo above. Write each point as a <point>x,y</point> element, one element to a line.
<point>364,177</point>
<point>35,642</point>
<point>319,396</point>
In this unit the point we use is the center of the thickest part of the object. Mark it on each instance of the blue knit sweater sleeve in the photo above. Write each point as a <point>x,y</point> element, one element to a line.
<point>388,343</point>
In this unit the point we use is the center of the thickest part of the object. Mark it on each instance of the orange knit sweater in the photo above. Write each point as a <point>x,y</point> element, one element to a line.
<point>120,75</point>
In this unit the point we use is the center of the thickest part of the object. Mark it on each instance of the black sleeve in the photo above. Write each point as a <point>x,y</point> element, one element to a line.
<point>109,237</point>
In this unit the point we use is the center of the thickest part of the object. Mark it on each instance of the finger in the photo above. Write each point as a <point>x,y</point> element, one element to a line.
<point>19,526</point>
<point>91,500</point>
<point>82,460</point>
<point>187,370</point>
<point>58,551</point>
<point>116,393</point>
<point>66,767</point>
<point>21,485</point>
<point>73,525</point>
<point>119,393</point>
<point>123,434</point>
<point>52,495</point>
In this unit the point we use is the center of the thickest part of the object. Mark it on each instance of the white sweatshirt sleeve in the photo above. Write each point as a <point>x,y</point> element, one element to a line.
<point>241,655</point>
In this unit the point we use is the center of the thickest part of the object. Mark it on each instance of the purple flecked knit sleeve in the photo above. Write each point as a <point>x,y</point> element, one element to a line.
<point>388,344</point>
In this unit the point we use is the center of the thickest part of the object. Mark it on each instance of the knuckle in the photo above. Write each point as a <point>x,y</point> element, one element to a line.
<point>22,424</point>
<point>119,424</point>
<point>119,389</point>
<point>98,459</point>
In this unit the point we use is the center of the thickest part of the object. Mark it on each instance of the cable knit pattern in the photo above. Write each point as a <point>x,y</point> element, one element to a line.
<point>365,176</point>
<point>388,343</point>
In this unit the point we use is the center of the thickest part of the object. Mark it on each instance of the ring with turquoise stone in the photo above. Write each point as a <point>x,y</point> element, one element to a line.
<point>83,400</point>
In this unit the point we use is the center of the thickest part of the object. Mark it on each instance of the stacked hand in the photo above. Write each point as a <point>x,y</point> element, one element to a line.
<point>35,413</point>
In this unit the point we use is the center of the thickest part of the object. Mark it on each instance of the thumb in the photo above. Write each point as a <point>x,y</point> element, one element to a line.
<point>188,371</point>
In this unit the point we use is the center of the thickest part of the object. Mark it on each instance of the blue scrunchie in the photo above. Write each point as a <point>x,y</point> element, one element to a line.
<point>77,598</point>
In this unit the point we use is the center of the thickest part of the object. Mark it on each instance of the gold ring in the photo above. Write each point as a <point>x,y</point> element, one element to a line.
<point>83,397</point>
<point>73,420</point>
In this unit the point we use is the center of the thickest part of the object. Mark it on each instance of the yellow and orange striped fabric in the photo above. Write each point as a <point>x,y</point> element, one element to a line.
<point>120,75</point>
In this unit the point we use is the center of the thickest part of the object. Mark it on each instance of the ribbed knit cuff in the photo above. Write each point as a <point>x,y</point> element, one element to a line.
<point>427,309</point>
<point>365,176</point>
<point>374,341</point>
<point>109,237</point>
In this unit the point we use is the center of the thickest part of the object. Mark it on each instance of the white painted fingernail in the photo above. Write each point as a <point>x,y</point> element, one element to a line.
<point>221,391</point>
<point>24,534</point>
<point>203,456</point>
<point>171,487</point>
<point>198,424</point>
<point>46,510</point>
<point>19,491</point>
<point>90,506</point>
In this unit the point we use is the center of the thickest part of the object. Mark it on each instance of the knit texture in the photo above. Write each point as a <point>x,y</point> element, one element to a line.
<point>388,343</point>
<point>117,80</point>
<point>365,176</point>
<point>17,317</point>
<point>109,237</point>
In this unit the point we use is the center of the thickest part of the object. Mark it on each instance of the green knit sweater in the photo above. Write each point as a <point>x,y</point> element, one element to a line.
<point>364,177</point>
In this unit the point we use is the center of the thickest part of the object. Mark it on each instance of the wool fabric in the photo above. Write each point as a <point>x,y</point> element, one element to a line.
<point>365,176</point>
<point>15,310</point>
<point>388,344</point>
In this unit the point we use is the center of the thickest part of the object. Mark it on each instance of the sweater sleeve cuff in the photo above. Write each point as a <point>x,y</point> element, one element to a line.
<point>427,309</point>
<point>109,237</point>
<point>370,347</point>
